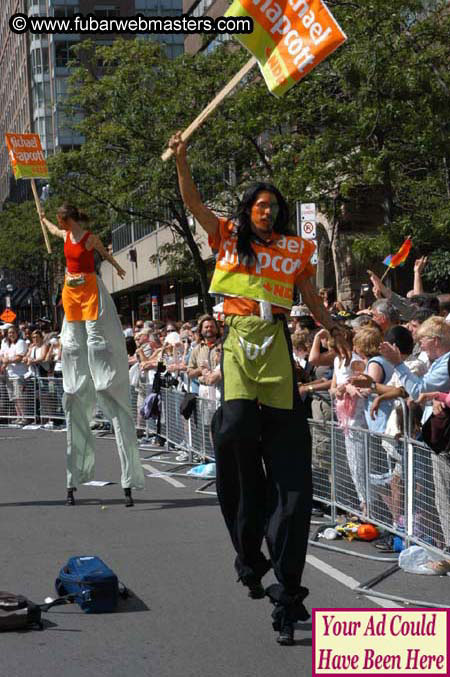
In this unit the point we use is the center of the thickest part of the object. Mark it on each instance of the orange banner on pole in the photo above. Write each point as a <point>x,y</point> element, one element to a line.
<point>26,155</point>
<point>289,39</point>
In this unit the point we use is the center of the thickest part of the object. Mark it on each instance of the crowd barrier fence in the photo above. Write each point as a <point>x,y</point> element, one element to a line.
<point>395,483</point>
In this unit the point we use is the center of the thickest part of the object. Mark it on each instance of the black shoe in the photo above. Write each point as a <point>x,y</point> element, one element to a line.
<point>128,498</point>
<point>70,500</point>
<point>286,636</point>
<point>385,544</point>
<point>255,588</point>
<point>288,610</point>
<point>252,579</point>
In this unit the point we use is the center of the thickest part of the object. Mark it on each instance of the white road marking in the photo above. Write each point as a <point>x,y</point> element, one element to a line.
<point>348,581</point>
<point>157,473</point>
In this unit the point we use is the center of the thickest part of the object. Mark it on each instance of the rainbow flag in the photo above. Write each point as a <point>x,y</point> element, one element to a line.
<point>398,259</point>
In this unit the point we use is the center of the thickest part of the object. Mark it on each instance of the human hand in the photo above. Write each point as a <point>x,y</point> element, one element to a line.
<point>177,145</point>
<point>419,264</point>
<point>361,381</point>
<point>120,272</point>
<point>379,289</point>
<point>340,391</point>
<point>391,353</point>
<point>374,407</point>
<point>322,334</point>
<point>438,407</point>
<point>424,397</point>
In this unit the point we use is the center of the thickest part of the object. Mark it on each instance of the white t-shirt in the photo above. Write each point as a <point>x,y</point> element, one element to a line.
<point>345,371</point>
<point>14,370</point>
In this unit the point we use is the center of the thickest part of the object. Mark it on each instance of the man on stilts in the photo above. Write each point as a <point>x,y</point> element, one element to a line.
<point>261,434</point>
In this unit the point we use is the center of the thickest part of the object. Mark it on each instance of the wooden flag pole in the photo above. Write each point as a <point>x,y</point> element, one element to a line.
<point>38,207</point>
<point>212,105</point>
<point>385,273</point>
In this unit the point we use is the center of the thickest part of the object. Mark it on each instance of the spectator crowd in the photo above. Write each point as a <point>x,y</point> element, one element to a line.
<point>400,349</point>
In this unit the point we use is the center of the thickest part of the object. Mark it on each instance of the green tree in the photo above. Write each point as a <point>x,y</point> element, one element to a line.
<point>23,251</point>
<point>369,133</point>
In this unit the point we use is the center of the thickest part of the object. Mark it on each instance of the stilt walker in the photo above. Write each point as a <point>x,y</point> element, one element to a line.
<point>261,436</point>
<point>94,358</point>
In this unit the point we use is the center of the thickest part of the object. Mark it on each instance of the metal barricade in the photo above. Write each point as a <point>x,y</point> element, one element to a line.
<point>398,484</point>
<point>428,510</point>
<point>18,400</point>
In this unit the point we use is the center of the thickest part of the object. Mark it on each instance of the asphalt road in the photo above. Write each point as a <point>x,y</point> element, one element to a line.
<point>187,616</point>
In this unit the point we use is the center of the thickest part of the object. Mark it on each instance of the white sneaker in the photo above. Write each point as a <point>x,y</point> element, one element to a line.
<point>49,425</point>
<point>183,456</point>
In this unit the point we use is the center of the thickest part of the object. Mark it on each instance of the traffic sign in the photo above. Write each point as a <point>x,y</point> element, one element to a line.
<point>8,315</point>
<point>308,211</point>
<point>309,230</point>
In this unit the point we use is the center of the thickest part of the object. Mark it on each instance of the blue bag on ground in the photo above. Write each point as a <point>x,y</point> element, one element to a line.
<point>94,586</point>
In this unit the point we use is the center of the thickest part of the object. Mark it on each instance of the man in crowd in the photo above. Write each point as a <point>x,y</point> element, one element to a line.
<point>205,356</point>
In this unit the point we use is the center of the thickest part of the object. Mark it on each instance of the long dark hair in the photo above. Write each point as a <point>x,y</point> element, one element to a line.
<point>68,211</point>
<point>242,217</point>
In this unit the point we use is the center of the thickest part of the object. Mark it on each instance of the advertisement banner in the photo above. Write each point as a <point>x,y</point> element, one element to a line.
<point>26,155</point>
<point>289,39</point>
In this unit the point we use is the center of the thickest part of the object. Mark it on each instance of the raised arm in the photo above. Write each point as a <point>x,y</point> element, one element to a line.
<point>323,317</point>
<point>94,242</point>
<point>191,197</point>
<point>419,265</point>
<point>54,230</point>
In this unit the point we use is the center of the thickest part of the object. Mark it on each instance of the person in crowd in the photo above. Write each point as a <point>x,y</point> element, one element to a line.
<point>131,347</point>
<point>406,307</point>
<point>4,399</point>
<point>444,306</point>
<point>204,358</point>
<point>301,346</point>
<point>367,343</point>
<point>261,416</point>
<point>94,357</point>
<point>349,406</point>
<point>14,353</point>
<point>384,314</point>
<point>320,354</point>
<point>39,367</point>
<point>392,493</point>
<point>434,337</point>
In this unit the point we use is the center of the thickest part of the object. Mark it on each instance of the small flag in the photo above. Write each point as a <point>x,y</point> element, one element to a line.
<point>398,259</point>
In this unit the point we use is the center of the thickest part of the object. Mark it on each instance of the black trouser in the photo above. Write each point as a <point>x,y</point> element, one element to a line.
<point>264,486</point>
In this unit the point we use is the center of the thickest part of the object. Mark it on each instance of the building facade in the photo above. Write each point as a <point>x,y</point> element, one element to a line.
<point>15,103</point>
<point>34,73</point>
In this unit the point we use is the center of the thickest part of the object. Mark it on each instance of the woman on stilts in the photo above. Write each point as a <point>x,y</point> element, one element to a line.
<point>94,358</point>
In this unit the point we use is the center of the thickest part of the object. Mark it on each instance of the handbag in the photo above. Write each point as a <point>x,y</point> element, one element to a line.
<point>17,612</point>
<point>91,584</point>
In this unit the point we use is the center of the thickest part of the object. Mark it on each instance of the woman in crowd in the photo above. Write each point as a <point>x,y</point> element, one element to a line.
<point>15,366</point>
<point>39,364</point>
<point>94,358</point>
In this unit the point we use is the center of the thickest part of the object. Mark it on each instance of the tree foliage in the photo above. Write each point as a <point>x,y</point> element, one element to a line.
<point>366,131</point>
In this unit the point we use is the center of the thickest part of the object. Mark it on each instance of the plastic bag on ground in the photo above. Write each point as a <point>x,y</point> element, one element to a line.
<point>203,470</point>
<point>417,560</point>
